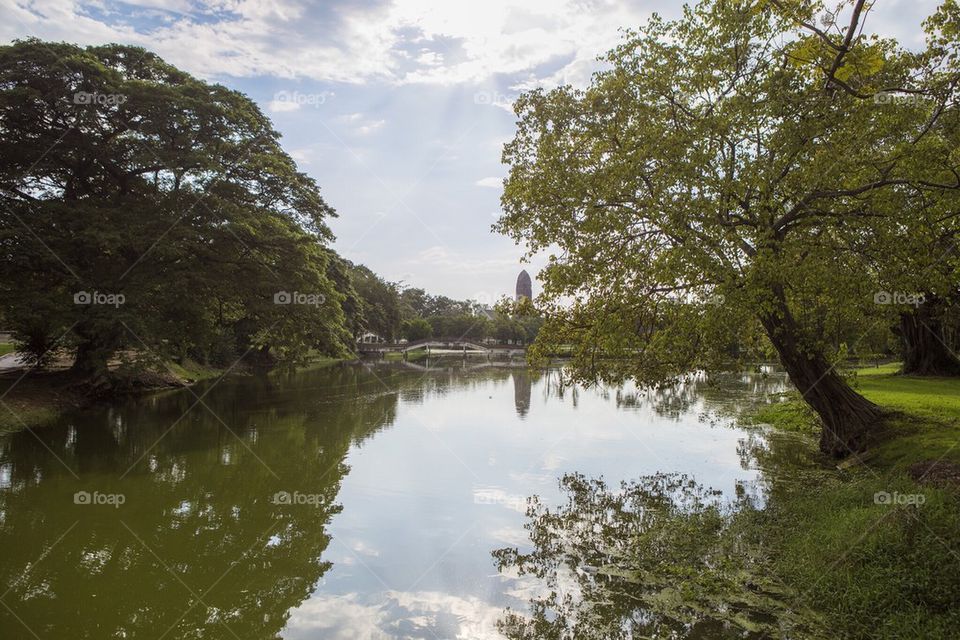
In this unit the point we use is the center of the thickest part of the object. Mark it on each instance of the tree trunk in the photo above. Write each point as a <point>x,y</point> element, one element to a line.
<point>924,342</point>
<point>848,418</point>
<point>96,344</point>
<point>90,363</point>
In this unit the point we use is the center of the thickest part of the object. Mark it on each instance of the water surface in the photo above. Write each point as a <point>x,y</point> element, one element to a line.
<point>355,501</point>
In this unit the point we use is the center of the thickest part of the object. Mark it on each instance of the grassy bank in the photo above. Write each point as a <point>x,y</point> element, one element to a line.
<point>35,400</point>
<point>874,547</point>
<point>5,348</point>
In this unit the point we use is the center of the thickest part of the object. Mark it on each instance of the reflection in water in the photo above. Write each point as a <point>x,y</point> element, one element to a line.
<point>230,525</point>
<point>521,391</point>
<point>199,547</point>
<point>659,557</point>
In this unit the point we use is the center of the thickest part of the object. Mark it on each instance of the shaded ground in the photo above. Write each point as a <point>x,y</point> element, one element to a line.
<point>937,473</point>
<point>32,400</point>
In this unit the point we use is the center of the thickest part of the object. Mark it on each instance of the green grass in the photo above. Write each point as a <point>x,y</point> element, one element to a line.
<point>33,401</point>
<point>871,570</point>
<point>192,371</point>
<point>793,416</point>
<point>5,348</point>
<point>935,398</point>
<point>927,421</point>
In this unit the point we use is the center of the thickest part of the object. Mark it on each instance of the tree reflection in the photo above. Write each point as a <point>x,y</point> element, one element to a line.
<point>522,386</point>
<point>199,548</point>
<point>660,557</point>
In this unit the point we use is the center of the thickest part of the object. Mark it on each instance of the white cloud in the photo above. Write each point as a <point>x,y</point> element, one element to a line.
<point>455,263</point>
<point>370,127</point>
<point>399,41</point>
<point>339,617</point>
<point>360,124</point>
<point>511,536</point>
<point>280,106</point>
<point>363,548</point>
<point>457,42</point>
<point>343,617</point>
<point>301,156</point>
<point>491,182</point>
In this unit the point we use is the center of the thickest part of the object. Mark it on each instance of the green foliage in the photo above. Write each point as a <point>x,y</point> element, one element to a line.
<point>416,329</point>
<point>418,303</point>
<point>380,303</point>
<point>465,319</point>
<point>459,326</point>
<point>733,178</point>
<point>122,176</point>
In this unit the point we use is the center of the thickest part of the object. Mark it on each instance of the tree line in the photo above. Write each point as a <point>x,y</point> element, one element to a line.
<point>150,216</point>
<point>393,312</point>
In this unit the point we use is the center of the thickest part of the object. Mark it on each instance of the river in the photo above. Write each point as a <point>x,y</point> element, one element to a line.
<point>356,501</point>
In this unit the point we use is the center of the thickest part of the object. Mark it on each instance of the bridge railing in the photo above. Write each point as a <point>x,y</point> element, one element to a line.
<point>437,343</point>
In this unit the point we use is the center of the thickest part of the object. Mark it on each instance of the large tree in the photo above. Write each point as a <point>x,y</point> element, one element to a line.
<point>738,169</point>
<point>146,210</point>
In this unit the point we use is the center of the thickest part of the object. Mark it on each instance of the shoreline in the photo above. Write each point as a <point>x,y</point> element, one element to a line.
<point>35,399</point>
<point>39,398</point>
<point>822,532</point>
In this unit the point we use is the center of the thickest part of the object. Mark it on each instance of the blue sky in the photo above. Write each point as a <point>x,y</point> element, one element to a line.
<point>398,108</point>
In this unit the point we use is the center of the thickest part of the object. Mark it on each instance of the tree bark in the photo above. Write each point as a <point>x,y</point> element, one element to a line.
<point>848,419</point>
<point>923,338</point>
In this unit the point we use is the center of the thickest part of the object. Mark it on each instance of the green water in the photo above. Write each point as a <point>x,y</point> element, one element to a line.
<point>356,501</point>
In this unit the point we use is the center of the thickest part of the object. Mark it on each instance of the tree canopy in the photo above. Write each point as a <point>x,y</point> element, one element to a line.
<point>144,209</point>
<point>740,171</point>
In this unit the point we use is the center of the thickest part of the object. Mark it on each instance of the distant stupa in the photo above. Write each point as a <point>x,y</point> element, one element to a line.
<point>524,287</point>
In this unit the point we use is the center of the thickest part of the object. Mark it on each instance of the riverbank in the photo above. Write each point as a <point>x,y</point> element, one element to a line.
<point>870,545</point>
<point>35,399</point>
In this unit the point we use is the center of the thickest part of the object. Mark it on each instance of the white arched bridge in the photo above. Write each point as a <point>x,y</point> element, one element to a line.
<point>440,346</point>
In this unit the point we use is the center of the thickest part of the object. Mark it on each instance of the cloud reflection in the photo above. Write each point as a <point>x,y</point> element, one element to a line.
<point>399,614</point>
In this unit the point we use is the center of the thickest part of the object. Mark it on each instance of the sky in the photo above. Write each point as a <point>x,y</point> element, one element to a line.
<point>398,108</point>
